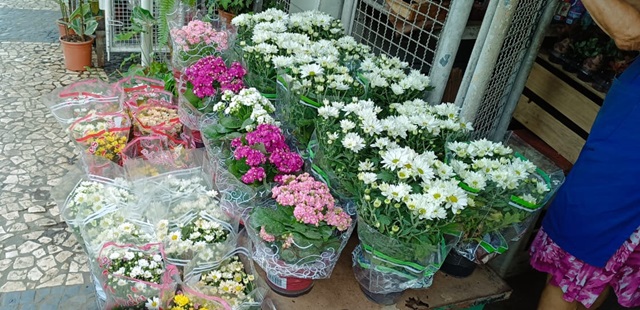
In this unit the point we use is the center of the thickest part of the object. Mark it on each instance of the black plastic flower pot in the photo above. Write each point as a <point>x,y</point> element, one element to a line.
<point>457,265</point>
<point>382,299</point>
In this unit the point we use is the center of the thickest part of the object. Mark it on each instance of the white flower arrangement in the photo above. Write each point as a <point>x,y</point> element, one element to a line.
<point>351,50</point>
<point>90,197</point>
<point>504,188</point>
<point>249,106</point>
<point>317,25</point>
<point>202,236</point>
<point>388,81</point>
<point>230,281</point>
<point>246,22</point>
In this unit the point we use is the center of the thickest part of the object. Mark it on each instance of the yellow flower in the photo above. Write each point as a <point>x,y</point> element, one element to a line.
<point>181,300</point>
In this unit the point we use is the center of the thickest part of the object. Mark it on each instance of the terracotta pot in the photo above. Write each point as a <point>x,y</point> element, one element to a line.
<point>289,287</point>
<point>63,29</point>
<point>226,16</point>
<point>77,55</point>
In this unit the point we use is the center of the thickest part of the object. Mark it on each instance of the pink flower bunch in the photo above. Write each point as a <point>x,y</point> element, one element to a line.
<point>199,32</point>
<point>277,160</point>
<point>311,200</point>
<point>266,236</point>
<point>210,76</point>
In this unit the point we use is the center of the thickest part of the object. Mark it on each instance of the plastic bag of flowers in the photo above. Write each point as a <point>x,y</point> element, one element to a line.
<point>206,80</point>
<point>233,116</point>
<point>200,38</point>
<point>132,84</point>
<point>194,227</point>
<point>102,134</point>
<point>298,237</point>
<point>156,166</point>
<point>406,221</point>
<point>232,277</point>
<point>259,159</point>
<point>390,80</point>
<point>506,189</point>
<point>133,276</point>
<point>159,120</point>
<point>188,299</point>
<point>90,197</point>
<point>80,99</point>
<point>305,81</point>
<point>133,100</point>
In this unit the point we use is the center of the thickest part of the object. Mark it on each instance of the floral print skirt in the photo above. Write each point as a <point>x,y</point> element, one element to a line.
<point>582,282</point>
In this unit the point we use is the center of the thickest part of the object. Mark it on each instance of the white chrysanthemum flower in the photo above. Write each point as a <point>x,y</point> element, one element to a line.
<point>365,165</point>
<point>456,199</point>
<point>541,187</point>
<point>397,192</point>
<point>367,177</point>
<point>153,303</point>
<point>311,70</point>
<point>328,111</point>
<point>352,141</point>
<point>347,125</point>
<point>395,158</point>
<point>475,180</point>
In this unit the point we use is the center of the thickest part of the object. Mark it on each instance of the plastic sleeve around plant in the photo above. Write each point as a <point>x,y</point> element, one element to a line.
<point>482,251</point>
<point>138,83</point>
<point>195,270</point>
<point>134,291</point>
<point>385,265</point>
<point>317,266</point>
<point>178,162</point>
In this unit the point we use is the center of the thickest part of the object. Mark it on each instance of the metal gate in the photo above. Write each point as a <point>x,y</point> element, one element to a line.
<point>500,63</point>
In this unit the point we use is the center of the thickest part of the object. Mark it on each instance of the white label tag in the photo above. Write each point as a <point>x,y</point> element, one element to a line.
<point>277,281</point>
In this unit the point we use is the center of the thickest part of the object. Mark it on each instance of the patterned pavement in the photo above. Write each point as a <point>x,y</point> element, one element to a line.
<point>40,261</point>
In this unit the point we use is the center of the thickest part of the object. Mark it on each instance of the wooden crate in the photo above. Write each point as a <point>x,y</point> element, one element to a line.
<point>418,10</point>
<point>558,107</point>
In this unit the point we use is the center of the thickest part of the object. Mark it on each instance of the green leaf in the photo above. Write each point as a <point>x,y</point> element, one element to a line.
<point>384,220</point>
<point>90,26</point>
<point>125,36</point>
<point>230,122</point>
<point>246,123</point>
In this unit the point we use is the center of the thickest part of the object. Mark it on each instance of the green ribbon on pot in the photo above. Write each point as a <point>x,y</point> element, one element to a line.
<point>503,247</point>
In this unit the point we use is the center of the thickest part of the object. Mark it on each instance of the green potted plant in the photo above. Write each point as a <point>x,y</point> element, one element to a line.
<point>77,47</point>
<point>66,8</point>
<point>228,9</point>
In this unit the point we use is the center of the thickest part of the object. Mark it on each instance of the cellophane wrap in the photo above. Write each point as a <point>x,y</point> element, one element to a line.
<point>199,38</point>
<point>385,265</point>
<point>102,134</point>
<point>193,228</point>
<point>131,285</point>
<point>80,99</point>
<point>154,165</point>
<point>207,279</point>
<point>91,197</point>
<point>307,265</point>
<point>158,118</point>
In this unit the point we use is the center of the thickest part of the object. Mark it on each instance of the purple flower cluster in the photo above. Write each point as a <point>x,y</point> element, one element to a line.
<point>210,76</point>
<point>252,147</point>
<point>311,200</point>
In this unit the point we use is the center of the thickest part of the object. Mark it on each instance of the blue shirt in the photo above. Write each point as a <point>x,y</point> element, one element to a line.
<point>598,207</point>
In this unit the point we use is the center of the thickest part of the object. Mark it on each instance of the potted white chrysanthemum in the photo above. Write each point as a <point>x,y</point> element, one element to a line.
<point>506,189</point>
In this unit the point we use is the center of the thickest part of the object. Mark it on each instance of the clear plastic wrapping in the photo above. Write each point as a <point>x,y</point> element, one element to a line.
<point>134,275</point>
<point>385,265</point>
<point>102,134</point>
<point>235,270</point>
<point>287,243</point>
<point>80,99</point>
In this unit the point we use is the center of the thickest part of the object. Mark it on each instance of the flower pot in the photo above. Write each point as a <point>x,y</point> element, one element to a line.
<point>288,286</point>
<point>382,299</point>
<point>63,30</point>
<point>457,265</point>
<point>77,55</point>
<point>226,17</point>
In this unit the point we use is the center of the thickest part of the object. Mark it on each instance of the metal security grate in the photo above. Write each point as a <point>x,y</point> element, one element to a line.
<point>514,48</point>
<point>120,21</point>
<point>409,31</point>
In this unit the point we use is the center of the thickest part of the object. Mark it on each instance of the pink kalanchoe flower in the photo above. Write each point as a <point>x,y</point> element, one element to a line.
<point>338,218</point>
<point>269,135</point>
<point>311,199</point>
<point>236,142</point>
<point>266,236</point>
<point>210,76</point>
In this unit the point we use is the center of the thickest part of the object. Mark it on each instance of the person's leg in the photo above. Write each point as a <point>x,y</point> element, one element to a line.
<point>601,298</point>
<point>551,299</point>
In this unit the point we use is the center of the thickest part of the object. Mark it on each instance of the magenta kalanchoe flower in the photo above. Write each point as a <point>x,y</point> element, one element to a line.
<point>210,76</point>
<point>275,152</point>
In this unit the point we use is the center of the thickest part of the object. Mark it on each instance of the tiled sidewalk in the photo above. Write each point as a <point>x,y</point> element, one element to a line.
<point>41,264</point>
